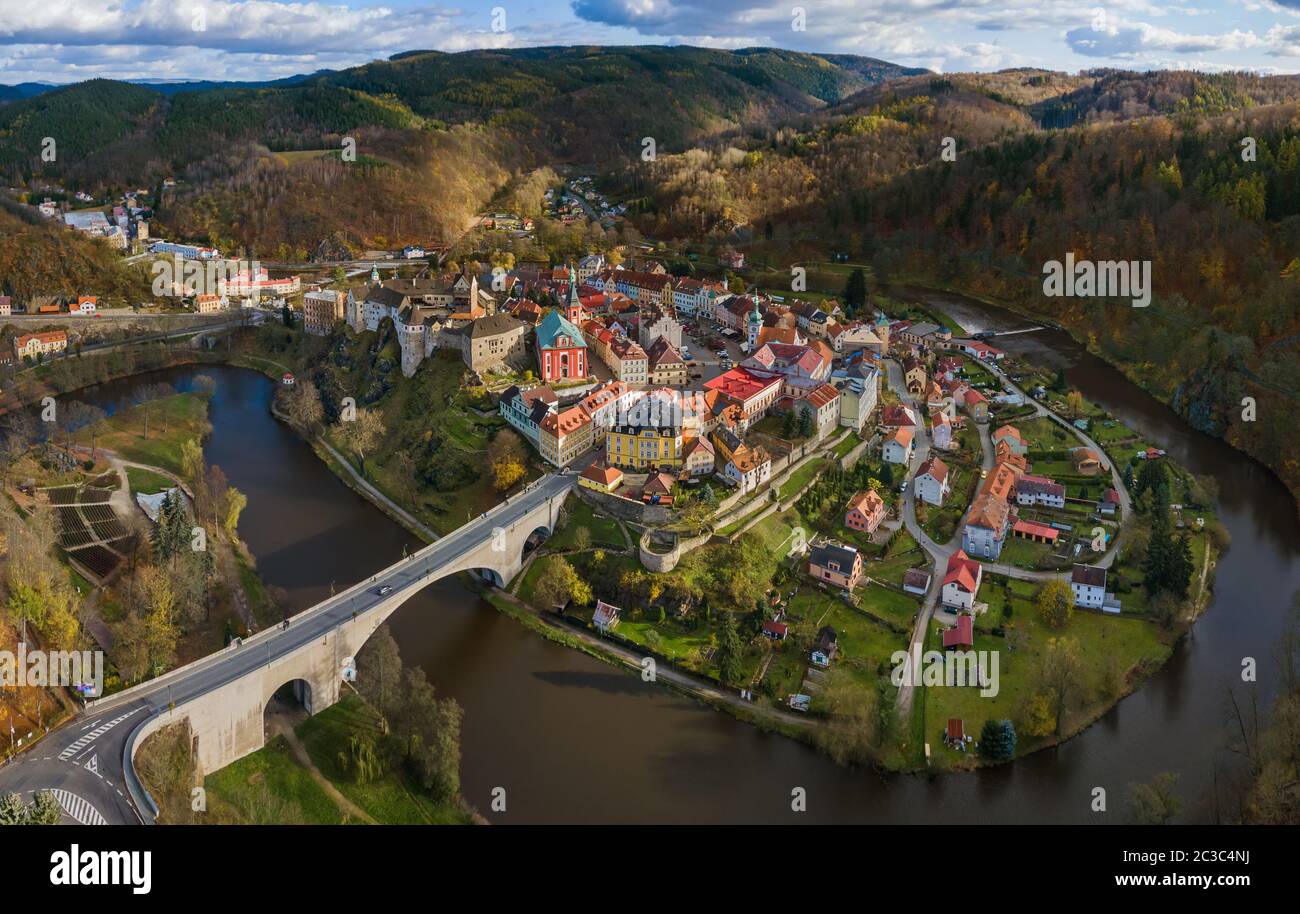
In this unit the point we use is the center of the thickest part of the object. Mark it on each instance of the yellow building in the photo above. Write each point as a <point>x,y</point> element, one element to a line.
<point>643,447</point>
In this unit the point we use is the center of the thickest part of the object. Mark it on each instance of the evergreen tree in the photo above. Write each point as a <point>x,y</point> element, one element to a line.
<point>855,292</point>
<point>805,423</point>
<point>729,651</point>
<point>998,740</point>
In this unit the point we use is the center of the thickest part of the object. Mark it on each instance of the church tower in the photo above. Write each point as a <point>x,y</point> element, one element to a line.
<point>573,311</point>
<point>755,327</point>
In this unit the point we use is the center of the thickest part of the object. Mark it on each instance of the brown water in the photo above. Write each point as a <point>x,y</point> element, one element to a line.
<point>572,740</point>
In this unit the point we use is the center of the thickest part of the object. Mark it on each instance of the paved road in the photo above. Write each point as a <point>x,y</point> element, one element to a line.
<point>85,756</point>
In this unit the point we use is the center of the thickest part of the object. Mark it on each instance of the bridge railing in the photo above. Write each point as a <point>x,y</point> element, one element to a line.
<point>149,685</point>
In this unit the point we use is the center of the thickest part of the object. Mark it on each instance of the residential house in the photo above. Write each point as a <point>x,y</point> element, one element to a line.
<point>209,303</point>
<point>976,404</point>
<point>865,512</point>
<point>941,431</point>
<point>629,362</point>
<point>858,397</point>
<point>1087,462</point>
<point>565,436</point>
<point>525,409</point>
<point>916,581</point>
<point>699,457</point>
<point>658,489</point>
<point>898,447</point>
<point>960,637</point>
<point>898,417</point>
<point>1088,583</point>
<point>601,478</point>
<point>748,468</point>
<point>933,481</point>
<point>1011,435</point>
<point>1109,503</point>
<point>961,581</point>
<point>36,345</point>
<point>914,376</point>
<point>1039,490</point>
<point>822,403</point>
<point>667,367</point>
<point>838,565</point>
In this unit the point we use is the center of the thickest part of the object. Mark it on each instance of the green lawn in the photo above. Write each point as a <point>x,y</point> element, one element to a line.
<point>270,788</point>
<point>802,476</point>
<point>152,432</point>
<point>147,482</point>
<point>604,531</point>
<point>1134,645</point>
<point>898,608</point>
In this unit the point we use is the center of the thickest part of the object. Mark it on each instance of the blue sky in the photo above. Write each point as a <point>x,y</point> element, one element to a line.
<point>69,40</point>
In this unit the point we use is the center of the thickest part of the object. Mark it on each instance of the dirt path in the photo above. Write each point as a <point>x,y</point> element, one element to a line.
<point>281,725</point>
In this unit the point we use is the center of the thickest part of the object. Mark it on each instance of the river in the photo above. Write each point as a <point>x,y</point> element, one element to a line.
<point>570,739</point>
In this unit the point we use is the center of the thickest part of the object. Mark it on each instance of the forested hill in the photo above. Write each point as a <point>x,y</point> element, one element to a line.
<point>436,134</point>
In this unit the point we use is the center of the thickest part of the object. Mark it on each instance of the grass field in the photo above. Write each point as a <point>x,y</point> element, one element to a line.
<point>152,432</point>
<point>604,531</point>
<point>1112,653</point>
<point>147,482</point>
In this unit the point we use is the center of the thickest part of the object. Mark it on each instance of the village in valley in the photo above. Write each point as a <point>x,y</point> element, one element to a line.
<point>793,503</point>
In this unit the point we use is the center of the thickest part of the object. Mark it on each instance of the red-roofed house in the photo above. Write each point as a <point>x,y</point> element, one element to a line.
<point>933,481</point>
<point>960,635</point>
<point>962,581</point>
<point>865,512</point>
<point>754,393</point>
<point>898,447</point>
<point>601,478</point>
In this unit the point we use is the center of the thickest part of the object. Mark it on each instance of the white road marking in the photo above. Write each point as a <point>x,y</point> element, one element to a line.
<point>90,737</point>
<point>78,808</point>
<point>93,765</point>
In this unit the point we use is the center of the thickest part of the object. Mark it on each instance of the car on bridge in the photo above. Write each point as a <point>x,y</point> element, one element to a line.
<point>385,590</point>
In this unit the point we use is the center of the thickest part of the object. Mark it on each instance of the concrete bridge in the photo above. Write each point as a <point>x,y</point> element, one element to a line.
<point>224,695</point>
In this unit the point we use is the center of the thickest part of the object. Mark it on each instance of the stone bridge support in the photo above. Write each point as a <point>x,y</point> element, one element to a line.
<point>228,721</point>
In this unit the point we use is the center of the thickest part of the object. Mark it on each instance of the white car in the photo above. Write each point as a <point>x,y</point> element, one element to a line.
<point>385,590</point>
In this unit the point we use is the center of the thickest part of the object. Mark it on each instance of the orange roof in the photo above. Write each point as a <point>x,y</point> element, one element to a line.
<point>962,571</point>
<point>606,476</point>
<point>935,467</point>
<point>1033,528</point>
<point>868,502</point>
<point>567,422</point>
<point>902,435</point>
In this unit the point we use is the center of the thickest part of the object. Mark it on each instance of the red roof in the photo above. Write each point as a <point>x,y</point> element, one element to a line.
<point>962,571</point>
<point>1033,528</point>
<point>776,628</point>
<point>606,476</point>
<point>741,383</point>
<point>956,729</point>
<point>963,635</point>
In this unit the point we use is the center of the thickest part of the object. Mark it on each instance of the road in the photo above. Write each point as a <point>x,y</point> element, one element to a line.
<point>84,757</point>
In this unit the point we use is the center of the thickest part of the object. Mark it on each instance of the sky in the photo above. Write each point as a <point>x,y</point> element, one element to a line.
<point>64,41</point>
